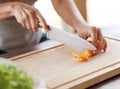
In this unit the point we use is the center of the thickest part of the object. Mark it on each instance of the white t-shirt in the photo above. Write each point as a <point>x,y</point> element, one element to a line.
<point>13,35</point>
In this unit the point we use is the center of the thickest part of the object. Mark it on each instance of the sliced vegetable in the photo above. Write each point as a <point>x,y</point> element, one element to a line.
<point>85,55</point>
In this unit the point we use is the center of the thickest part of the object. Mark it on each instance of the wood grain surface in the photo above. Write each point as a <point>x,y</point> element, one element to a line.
<point>60,71</point>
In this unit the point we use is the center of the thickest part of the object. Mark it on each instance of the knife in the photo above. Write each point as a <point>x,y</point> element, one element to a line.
<point>69,39</point>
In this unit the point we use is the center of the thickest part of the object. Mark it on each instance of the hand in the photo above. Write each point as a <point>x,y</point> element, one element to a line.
<point>86,31</point>
<point>28,16</point>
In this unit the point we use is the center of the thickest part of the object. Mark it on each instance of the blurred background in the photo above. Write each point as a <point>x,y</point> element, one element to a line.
<point>101,13</point>
<point>96,12</point>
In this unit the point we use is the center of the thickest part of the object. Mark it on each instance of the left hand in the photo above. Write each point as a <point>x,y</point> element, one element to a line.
<point>86,31</point>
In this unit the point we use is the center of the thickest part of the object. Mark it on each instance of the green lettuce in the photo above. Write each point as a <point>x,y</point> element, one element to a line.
<point>14,77</point>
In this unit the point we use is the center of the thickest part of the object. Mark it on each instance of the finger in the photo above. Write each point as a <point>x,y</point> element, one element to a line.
<point>100,38</point>
<point>93,35</point>
<point>18,18</point>
<point>42,20</point>
<point>19,15</point>
<point>105,47</point>
<point>32,20</point>
<point>102,41</point>
<point>26,16</point>
<point>23,19</point>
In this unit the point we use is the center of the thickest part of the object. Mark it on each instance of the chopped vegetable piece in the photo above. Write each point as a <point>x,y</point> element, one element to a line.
<point>82,57</point>
<point>85,55</point>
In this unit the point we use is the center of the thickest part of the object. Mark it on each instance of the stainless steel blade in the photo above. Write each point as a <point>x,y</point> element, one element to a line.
<point>69,39</point>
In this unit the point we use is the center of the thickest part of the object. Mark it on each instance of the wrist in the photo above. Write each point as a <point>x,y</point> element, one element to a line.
<point>80,25</point>
<point>11,7</point>
<point>5,10</point>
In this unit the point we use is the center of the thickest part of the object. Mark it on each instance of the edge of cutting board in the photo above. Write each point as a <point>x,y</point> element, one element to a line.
<point>36,51</point>
<point>95,77</point>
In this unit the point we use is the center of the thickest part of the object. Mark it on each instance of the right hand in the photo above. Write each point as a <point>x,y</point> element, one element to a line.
<point>28,16</point>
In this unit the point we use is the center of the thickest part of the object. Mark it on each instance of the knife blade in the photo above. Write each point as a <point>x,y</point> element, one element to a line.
<point>69,39</point>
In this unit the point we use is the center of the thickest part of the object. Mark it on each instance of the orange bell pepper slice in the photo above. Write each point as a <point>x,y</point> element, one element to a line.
<point>85,55</point>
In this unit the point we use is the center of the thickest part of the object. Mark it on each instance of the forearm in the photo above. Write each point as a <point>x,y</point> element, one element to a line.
<point>68,12</point>
<point>5,10</point>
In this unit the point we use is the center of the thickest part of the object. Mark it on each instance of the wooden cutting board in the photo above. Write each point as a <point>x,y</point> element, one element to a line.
<point>60,71</point>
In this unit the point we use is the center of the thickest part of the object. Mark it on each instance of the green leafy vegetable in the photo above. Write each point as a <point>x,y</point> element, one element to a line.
<point>14,77</point>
